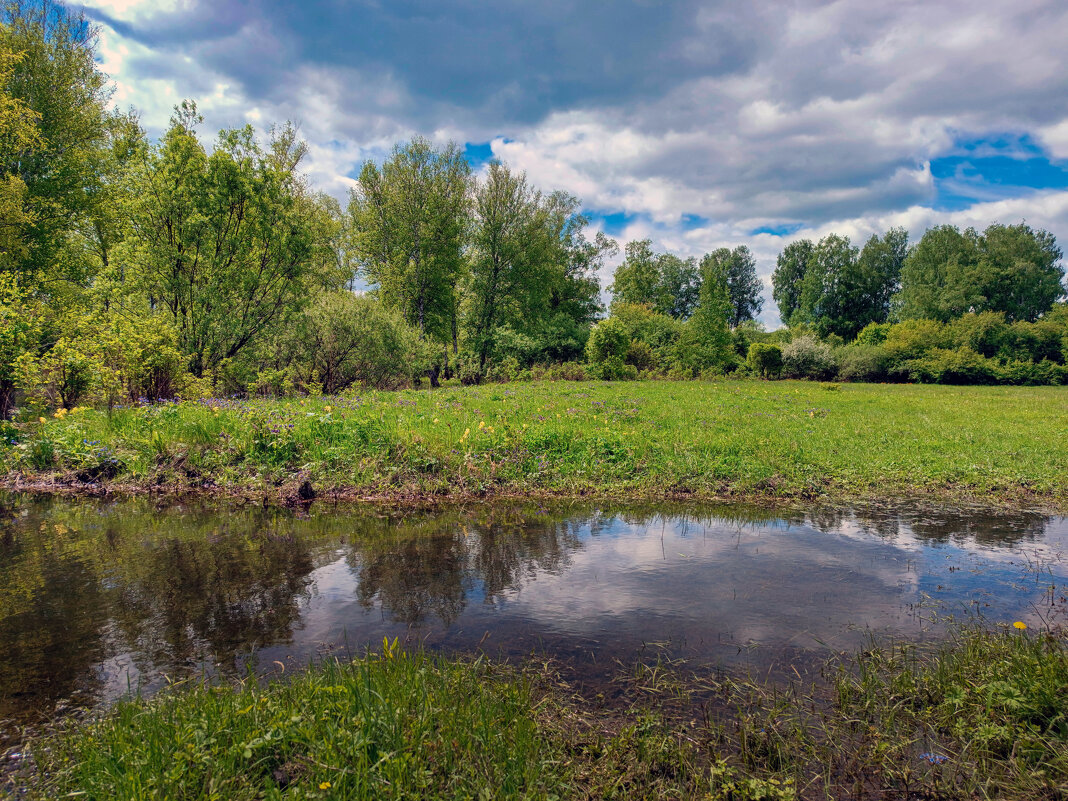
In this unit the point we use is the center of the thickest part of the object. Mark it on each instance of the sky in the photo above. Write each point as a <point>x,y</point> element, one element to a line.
<point>696,124</point>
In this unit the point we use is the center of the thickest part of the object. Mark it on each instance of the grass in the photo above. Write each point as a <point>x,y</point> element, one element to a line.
<point>742,439</point>
<point>982,716</point>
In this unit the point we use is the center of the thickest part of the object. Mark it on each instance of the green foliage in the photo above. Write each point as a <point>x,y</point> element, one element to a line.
<point>1011,269</point>
<point>705,340</point>
<point>765,359</point>
<point>807,357</point>
<point>789,276</point>
<point>344,339</point>
<point>863,362</point>
<point>19,331</point>
<point>609,339</point>
<point>662,282</point>
<point>410,217</point>
<point>222,241</point>
<point>743,284</point>
<point>873,334</point>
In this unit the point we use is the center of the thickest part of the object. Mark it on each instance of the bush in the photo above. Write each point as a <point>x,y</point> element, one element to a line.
<point>608,340</point>
<point>613,369</point>
<point>984,333</point>
<point>765,360</point>
<point>863,363</point>
<point>873,334</point>
<point>960,366</point>
<point>911,339</point>
<point>807,357</point>
<point>641,355</point>
<point>345,339</point>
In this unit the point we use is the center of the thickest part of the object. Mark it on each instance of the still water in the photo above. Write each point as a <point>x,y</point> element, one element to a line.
<point>98,598</point>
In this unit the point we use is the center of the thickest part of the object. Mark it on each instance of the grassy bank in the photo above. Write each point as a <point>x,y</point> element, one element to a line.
<point>739,439</point>
<point>980,717</point>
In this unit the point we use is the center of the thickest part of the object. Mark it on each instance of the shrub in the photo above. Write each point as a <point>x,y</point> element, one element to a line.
<point>608,340</point>
<point>960,366</point>
<point>863,363</point>
<point>873,334</point>
<point>613,369</point>
<point>641,355</point>
<point>765,360</point>
<point>911,339</point>
<point>807,357</point>
<point>985,333</point>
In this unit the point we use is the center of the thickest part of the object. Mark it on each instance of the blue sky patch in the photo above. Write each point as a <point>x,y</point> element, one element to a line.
<point>996,167</point>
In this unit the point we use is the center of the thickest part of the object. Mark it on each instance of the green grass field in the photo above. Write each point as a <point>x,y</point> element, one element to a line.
<point>742,439</point>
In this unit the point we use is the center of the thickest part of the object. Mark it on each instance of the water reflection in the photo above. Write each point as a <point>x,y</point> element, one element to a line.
<point>98,596</point>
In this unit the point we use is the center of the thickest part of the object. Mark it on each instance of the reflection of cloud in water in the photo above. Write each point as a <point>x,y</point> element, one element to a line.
<point>715,583</point>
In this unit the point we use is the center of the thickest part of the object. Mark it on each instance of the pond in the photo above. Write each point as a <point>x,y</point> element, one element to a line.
<point>98,598</point>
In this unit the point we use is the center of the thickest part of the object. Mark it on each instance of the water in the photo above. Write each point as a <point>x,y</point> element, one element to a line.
<point>98,598</point>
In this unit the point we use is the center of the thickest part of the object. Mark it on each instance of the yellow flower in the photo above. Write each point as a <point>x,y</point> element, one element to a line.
<point>60,414</point>
<point>326,408</point>
<point>325,785</point>
<point>490,429</point>
<point>1019,624</point>
<point>41,419</point>
<point>466,432</point>
<point>435,421</point>
<point>481,424</point>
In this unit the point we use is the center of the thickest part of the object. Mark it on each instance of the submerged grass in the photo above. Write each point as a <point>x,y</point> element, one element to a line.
<point>710,439</point>
<point>982,716</point>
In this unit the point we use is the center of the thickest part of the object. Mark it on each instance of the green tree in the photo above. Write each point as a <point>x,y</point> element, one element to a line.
<point>940,276</point>
<point>515,243</point>
<point>637,279</point>
<point>680,286</point>
<point>409,223</point>
<point>57,77</point>
<point>1020,271</point>
<point>877,277</point>
<point>786,281</point>
<point>224,244</point>
<point>705,341</point>
<point>664,282</point>
<point>829,289</point>
<point>743,284</point>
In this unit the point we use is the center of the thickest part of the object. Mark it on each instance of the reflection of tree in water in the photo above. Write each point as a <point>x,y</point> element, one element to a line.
<point>423,567</point>
<point>1002,529</point>
<point>52,615</point>
<point>81,582</point>
<point>210,598</point>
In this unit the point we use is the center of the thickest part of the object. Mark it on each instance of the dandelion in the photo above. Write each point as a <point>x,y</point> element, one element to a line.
<point>326,408</point>
<point>490,429</point>
<point>325,785</point>
<point>1019,624</point>
<point>481,424</point>
<point>41,419</point>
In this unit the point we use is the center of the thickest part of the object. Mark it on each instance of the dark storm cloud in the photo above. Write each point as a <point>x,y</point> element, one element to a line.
<point>512,61</point>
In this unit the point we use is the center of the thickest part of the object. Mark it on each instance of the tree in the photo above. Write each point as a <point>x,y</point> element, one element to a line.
<point>662,281</point>
<point>789,274</point>
<point>940,277</point>
<point>842,292</point>
<point>574,288</point>
<point>706,340</point>
<point>1020,271</point>
<point>515,242</point>
<point>680,286</point>
<point>743,285</point>
<point>221,243</point>
<point>409,220</point>
<point>878,276</point>
<point>56,76</point>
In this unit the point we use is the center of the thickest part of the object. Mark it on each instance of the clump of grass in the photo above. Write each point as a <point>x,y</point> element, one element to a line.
<point>981,716</point>
<point>392,725</point>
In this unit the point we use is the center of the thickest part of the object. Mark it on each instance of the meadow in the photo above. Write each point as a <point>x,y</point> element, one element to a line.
<point>786,440</point>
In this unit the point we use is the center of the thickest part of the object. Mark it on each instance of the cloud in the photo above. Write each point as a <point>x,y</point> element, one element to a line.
<point>761,115</point>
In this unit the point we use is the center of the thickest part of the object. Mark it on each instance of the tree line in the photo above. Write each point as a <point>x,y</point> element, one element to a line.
<point>133,268</point>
